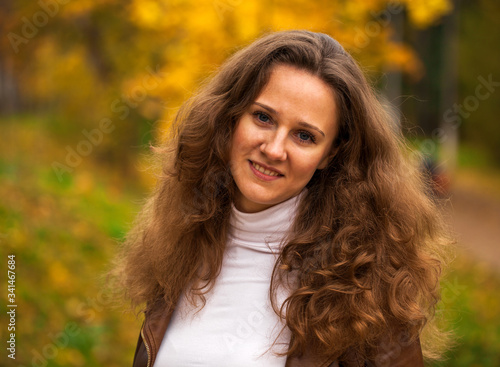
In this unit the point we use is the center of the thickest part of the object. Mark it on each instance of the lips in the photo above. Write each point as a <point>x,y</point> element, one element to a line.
<point>265,170</point>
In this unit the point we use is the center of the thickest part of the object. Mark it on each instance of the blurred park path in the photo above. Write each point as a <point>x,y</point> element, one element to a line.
<point>475,218</point>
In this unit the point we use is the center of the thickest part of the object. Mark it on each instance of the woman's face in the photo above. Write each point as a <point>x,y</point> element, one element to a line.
<point>283,137</point>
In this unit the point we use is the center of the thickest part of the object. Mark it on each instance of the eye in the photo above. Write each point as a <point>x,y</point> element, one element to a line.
<point>306,137</point>
<point>262,117</point>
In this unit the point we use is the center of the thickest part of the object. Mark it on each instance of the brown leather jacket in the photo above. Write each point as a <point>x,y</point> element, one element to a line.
<point>400,353</point>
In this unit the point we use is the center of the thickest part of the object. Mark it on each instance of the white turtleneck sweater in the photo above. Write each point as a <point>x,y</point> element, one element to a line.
<point>237,326</point>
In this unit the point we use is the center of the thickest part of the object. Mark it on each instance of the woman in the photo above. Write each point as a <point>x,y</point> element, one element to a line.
<point>287,228</point>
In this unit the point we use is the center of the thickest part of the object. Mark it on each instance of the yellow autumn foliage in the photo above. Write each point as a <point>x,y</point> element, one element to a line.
<point>202,34</point>
<point>425,13</point>
<point>126,61</point>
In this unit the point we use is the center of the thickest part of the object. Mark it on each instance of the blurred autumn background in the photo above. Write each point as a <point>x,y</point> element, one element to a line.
<point>86,85</point>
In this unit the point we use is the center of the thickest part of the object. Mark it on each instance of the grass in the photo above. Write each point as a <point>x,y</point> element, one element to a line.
<point>63,235</point>
<point>471,306</point>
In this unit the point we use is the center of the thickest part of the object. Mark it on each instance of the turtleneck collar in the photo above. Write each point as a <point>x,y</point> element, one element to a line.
<point>265,229</point>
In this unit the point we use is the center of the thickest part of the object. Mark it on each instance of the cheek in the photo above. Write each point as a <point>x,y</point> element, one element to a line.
<point>236,141</point>
<point>244,138</point>
<point>236,145</point>
<point>307,164</point>
<point>241,135</point>
<point>310,168</point>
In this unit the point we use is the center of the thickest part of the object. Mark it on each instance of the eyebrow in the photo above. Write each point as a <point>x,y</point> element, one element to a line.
<point>302,123</point>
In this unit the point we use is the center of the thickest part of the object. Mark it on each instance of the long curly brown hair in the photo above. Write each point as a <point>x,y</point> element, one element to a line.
<point>364,250</point>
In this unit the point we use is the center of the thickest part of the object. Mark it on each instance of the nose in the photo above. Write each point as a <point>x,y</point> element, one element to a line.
<point>274,146</point>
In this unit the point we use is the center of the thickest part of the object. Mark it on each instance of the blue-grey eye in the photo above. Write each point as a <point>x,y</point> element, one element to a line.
<point>263,117</point>
<point>304,136</point>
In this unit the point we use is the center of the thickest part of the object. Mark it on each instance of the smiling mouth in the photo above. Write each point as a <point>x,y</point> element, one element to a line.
<point>264,170</point>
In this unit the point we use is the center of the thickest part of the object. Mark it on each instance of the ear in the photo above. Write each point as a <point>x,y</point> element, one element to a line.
<point>326,160</point>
